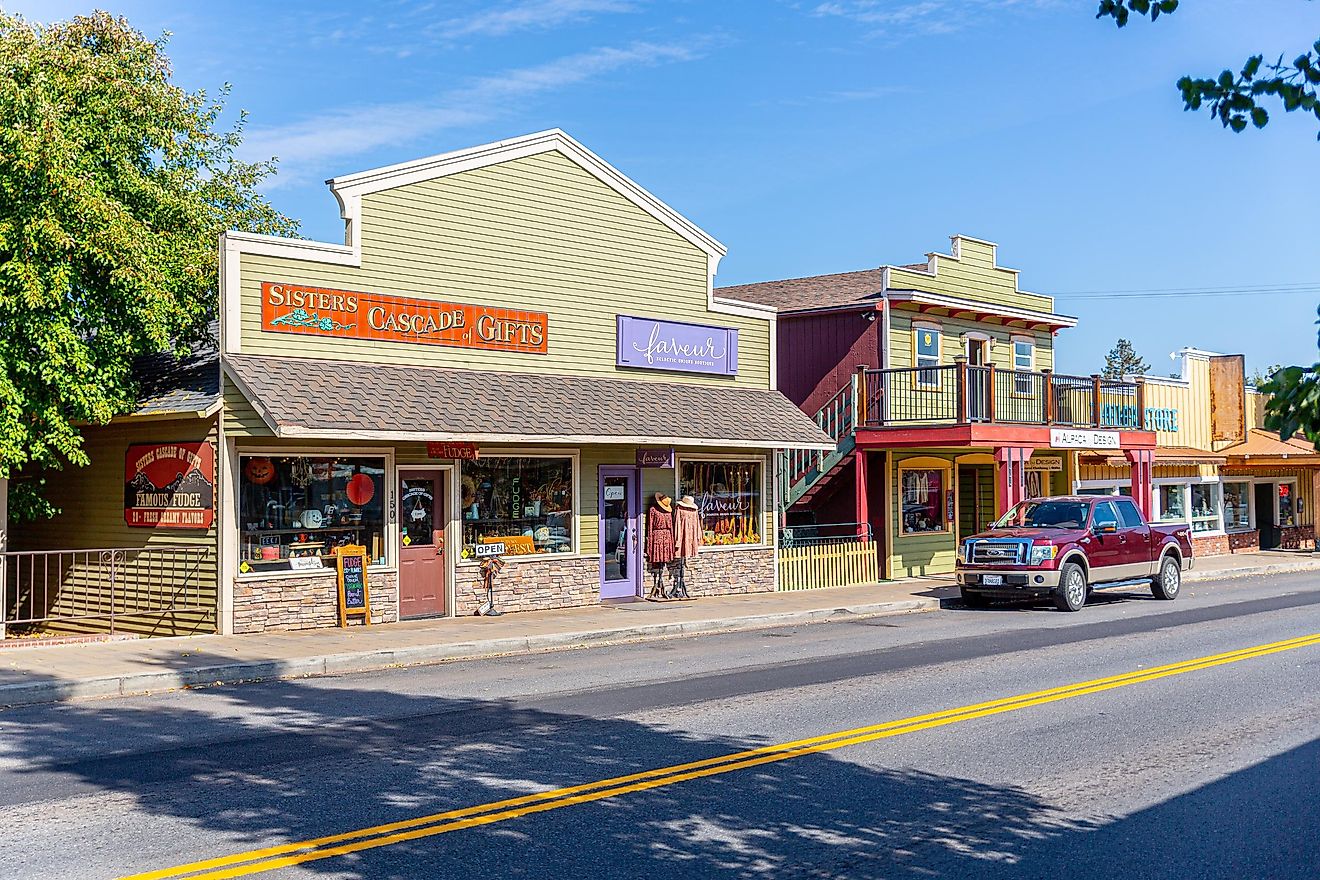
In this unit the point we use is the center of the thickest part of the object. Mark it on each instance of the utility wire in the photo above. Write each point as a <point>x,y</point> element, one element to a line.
<point>1191,292</point>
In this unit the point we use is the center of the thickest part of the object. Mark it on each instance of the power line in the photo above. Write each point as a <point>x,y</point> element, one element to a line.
<point>1192,292</point>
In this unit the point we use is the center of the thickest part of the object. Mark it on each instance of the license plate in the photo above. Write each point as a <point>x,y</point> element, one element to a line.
<point>992,580</point>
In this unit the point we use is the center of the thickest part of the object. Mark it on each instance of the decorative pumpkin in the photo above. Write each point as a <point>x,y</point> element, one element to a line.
<point>360,489</point>
<point>259,471</point>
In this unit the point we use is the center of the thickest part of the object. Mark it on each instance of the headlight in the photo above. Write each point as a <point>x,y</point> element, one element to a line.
<point>1040,554</point>
<point>962,551</point>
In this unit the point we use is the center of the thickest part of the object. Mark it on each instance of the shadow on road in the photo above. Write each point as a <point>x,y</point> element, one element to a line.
<point>287,761</point>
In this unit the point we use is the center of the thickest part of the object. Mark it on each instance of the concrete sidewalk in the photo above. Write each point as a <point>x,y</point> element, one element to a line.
<point>63,672</point>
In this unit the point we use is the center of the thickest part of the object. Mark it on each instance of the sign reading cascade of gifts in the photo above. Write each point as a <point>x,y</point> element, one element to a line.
<point>169,485</point>
<point>350,314</point>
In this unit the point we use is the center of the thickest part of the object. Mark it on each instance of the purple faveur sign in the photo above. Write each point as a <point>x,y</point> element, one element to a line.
<point>655,457</point>
<point>650,344</point>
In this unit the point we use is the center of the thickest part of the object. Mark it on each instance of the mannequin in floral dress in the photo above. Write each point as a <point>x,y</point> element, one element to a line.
<point>659,540</point>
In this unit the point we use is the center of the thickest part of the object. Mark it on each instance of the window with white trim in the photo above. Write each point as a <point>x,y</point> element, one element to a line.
<point>1237,506</point>
<point>523,502</point>
<point>1024,359</point>
<point>926,353</point>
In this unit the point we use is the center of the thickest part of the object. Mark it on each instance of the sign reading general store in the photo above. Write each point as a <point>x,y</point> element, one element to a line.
<point>347,314</point>
<point>169,485</point>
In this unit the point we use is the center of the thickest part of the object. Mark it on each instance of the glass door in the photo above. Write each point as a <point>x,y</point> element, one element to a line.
<point>619,542</point>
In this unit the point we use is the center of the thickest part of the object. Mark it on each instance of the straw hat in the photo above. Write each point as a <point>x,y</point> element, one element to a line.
<point>664,502</point>
<point>689,502</point>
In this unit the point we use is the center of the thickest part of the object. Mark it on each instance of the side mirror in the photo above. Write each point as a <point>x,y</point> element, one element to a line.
<point>1105,529</point>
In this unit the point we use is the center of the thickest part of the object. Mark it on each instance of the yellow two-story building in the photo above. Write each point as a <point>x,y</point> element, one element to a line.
<point>937,381</point>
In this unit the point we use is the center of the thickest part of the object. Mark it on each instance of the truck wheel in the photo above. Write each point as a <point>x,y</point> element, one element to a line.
<point>1169,581</point>
<point>973,599</point>
<point>1070,595</point>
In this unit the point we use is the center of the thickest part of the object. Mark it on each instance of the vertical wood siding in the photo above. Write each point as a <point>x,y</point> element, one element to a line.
<point>819,353</point>
<point>537,233</point>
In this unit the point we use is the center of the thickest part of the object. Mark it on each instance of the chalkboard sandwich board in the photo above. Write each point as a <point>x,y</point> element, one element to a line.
<point>353,594</point>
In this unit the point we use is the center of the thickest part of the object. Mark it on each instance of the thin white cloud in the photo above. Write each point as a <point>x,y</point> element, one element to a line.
<point>306,145</point>
<point>921,17</point>
<point>526,15</point>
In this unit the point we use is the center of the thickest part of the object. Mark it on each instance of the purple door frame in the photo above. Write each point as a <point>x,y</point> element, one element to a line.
<point>629,585</point>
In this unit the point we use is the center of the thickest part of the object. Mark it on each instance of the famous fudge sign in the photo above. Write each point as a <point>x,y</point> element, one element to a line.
<point>169,485</point>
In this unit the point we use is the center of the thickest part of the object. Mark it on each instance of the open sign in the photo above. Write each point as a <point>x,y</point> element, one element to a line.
<point>493,549</point>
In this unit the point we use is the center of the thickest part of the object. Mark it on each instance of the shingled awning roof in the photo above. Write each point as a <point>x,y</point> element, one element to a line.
<point>169,385</point>
<point>303,397</point>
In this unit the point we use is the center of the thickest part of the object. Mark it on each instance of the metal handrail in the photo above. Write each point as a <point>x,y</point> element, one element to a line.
<point>99,587</point>
<point>808,535</point>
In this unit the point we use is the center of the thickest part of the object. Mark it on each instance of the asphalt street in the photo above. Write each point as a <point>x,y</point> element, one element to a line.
<point>1160,768</point>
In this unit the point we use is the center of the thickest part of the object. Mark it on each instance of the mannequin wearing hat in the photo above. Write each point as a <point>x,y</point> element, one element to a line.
<point>687,540</point>
<point>659,539</point>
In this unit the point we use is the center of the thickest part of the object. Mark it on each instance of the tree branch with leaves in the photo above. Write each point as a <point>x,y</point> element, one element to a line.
<point>1235,99</point>
<point>114,187</point>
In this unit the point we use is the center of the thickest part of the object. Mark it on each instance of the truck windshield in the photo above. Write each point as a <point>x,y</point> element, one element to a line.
<point>1045,515</point>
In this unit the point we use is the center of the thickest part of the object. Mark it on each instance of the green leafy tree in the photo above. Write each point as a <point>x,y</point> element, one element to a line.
<point>1293,406</point>
<point>1260,377</point>
<point>114,186</point>
<point>1235,99</point>
<point>1123,360</point>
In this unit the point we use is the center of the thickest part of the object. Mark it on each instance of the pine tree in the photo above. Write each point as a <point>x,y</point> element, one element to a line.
<point>1123,360</point>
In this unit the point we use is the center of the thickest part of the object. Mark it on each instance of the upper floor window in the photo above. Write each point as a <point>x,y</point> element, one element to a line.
<point>926,346</point>
<point>1024,351</point>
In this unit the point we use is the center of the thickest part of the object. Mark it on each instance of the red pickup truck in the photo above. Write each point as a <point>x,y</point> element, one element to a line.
<point>1069,545</point>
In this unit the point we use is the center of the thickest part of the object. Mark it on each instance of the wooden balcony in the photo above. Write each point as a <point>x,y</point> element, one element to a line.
<point>962,394</point>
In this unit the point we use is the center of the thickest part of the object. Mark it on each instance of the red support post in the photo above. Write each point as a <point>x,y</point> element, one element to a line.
<point>1143,494</point>
<point>863,507</point>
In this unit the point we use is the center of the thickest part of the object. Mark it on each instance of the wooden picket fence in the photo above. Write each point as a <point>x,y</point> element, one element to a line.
<point>845,562</point>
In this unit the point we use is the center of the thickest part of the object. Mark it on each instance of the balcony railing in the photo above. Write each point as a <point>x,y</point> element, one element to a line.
<point>960,394</point>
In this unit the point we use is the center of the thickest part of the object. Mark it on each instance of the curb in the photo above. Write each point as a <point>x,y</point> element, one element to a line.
<point>135,684</point>
<point>1299,567</point>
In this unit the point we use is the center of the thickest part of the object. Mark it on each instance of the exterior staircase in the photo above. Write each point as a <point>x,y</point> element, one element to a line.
<point>803,471</point>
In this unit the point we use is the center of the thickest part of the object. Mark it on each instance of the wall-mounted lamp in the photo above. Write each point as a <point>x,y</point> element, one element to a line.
<point>868,316</point>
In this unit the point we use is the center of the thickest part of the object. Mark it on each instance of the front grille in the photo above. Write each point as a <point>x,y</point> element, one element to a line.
<point>998,552</point>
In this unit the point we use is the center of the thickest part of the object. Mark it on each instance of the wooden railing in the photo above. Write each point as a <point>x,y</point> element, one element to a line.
<point>962,393</point>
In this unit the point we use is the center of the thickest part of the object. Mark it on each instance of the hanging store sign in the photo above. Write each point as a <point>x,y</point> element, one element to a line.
<point>460,451</point>
<point>1063,438</point>
<point>347,314</point>
<point>656,457</point>
<point>649,344</point>
<point>1051,463</point>
<point>169,485</point>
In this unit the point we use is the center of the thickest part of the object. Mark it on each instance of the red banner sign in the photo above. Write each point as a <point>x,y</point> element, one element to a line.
<point>461,451</point>
<point>347,314</point>
<point>169,485</point>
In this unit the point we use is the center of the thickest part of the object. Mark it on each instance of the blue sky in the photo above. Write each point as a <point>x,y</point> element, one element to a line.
<point>828,135</point>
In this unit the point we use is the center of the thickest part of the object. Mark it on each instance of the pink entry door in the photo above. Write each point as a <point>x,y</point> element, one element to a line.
<point>423,569</point>
<point>619,544</point>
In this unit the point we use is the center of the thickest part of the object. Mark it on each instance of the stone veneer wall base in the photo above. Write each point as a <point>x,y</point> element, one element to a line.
<point>312,602</point>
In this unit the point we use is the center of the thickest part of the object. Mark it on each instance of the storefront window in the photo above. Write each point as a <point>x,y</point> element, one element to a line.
<point>922,493</point>
<point>1237,500</point>
<point>728,494</point>
<point>1287,504</point>
<point>294,510</point>
<point>526,503</point>
<point>1205,507</point>
<point>1173,503</point>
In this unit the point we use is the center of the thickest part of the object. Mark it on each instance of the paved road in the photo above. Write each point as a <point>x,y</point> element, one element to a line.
<point>1175,771</point>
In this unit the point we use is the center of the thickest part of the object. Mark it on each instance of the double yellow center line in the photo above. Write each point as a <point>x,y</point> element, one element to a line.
<point>285,855</point>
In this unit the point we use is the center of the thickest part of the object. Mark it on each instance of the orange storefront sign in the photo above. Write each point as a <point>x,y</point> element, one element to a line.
<point>348,314</point>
